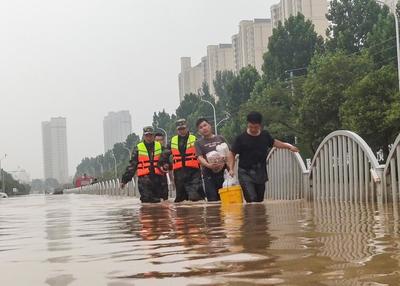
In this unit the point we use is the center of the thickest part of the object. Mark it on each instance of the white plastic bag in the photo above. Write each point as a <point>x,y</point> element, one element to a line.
<point>229,181</point>
<point>214,157</point>
<point>222,149</point>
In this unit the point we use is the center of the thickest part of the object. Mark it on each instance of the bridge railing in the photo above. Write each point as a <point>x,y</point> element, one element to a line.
<point>107,188</point>
<point>344,168</point>
<point>391,172</point>
<point>288,176</point>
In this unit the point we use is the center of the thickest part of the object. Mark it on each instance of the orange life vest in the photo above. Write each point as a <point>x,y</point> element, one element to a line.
<point>189,159</point>
<point>144,162</point>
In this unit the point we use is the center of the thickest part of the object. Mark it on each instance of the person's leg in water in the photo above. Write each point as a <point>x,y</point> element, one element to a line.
<point>194,186</point>
<point>248,187</point>
<point>212,183</point>
<point>163,189</point>
<point>260,190</point>
<point>181,194</point>
<point>147,190</point>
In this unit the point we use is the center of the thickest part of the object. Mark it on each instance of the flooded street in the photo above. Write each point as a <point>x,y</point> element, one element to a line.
<point>95,240</point>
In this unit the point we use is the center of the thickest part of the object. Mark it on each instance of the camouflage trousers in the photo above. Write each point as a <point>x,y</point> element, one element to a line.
<point>152,188</point>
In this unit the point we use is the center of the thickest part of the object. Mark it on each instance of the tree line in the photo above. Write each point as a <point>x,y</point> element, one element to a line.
<point>310,85</point>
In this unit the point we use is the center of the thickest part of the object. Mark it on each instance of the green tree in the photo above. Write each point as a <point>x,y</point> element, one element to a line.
<point>238,89</point>
<point>371,108</point>
<point>351,22</point>
<point>381,41</point>
<point>291,46</point>
<point>324,92</point>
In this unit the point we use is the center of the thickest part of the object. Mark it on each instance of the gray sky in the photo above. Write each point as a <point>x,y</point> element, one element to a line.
<point>82,58</point>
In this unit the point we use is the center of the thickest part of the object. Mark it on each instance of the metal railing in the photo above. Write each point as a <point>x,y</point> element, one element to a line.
<point>344,168</point>
<point>288,176</point>
<point>391,172</point>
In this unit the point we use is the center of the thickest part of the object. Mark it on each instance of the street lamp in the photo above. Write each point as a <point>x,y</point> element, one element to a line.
<point>215,117</point>
<point>3,186</point>
<point>227,116</point>
<point>129,151</point>
<point>396,21</point>
<point>115,163</point>
<point>163,130</point>
<point>101,167</point>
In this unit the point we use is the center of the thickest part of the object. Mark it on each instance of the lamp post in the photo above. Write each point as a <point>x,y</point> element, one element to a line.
<point>396,21</point>
<point>115,164</point>
<point>215,116</point>
<point>163,130</point>
<point>3,186</point>
<point>101,167</point>
<point>227,116</point>
<point>129,151</point>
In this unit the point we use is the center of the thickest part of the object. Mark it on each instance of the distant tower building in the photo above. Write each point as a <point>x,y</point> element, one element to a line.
<point>117,126</point>
<point>314,10</point>
<point>250,44</point>
<point>55,151</point>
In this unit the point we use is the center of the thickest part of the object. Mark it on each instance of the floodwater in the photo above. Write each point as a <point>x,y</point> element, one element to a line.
<point>95,240</point>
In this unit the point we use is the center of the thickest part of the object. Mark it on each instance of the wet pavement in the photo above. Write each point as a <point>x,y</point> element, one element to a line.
<point>95,240</point>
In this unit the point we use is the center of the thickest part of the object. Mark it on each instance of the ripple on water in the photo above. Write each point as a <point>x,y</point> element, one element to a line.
<point>94,240</point>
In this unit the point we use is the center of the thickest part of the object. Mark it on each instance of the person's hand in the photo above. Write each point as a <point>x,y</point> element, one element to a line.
<point>122,185</point>
<point>165,168</point>
<point>231,173</point>
<point>216,167</point>
<point>294,149</point>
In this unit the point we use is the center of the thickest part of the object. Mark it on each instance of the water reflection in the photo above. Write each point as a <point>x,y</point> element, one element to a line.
<point>93,240</point>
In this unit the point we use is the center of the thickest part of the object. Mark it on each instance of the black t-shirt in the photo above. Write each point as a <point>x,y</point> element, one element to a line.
<point>253,150</point>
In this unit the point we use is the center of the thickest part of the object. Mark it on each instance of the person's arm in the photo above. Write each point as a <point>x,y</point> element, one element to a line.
<point>164,163</point>
<point>231,163</point>
<point>131,169</point>
<point>283,145</point>
<point>232,154</point>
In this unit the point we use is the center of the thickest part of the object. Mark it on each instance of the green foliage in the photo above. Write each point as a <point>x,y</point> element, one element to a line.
<point>291,46</point>
<point>324,92</point>
<point>371,108</point>
<point>103,166</point>
<point>381,41</point>
<point>351,22</point>
<point>10,183</point>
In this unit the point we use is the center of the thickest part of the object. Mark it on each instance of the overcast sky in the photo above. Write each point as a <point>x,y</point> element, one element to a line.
<point>83,58</point>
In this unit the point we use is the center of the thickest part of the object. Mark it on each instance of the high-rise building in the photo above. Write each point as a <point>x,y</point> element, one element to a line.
<point>314,10</point>
<point>190,78</point>
<point>391,4</point>
<point>55,151</point>
<point>251,43</point>
<point>219,58</point>
<point>117,126</point>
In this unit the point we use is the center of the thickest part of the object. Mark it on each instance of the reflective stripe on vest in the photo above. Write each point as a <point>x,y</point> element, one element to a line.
<point>190,158</point>
<point>144,163</point>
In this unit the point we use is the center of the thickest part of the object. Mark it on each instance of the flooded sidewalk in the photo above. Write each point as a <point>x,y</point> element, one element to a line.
<point>96,240</point>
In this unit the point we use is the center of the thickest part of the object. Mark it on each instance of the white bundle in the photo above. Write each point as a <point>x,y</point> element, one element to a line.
<point>215,157</point>
<point>223,149</point>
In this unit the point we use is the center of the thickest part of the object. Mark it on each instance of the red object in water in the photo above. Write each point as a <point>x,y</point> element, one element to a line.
<point>83,181</point>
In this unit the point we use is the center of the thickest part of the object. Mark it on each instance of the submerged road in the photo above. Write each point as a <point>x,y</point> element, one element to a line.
<point>97,240</point>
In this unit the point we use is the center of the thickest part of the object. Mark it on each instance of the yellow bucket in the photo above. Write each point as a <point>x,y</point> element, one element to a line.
<point>231,195</point>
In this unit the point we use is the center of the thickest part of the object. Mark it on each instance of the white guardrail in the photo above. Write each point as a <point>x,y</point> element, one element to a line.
<point>344,168</point>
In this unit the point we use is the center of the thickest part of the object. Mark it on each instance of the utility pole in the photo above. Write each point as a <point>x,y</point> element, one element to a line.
<point>115,164</point>
<point>3,185</point>
<point>215,116</point>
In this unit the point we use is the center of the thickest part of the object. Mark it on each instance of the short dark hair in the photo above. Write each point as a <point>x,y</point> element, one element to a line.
<point>254,117</point>
<point>201,120</point>
<point>159,134</point>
